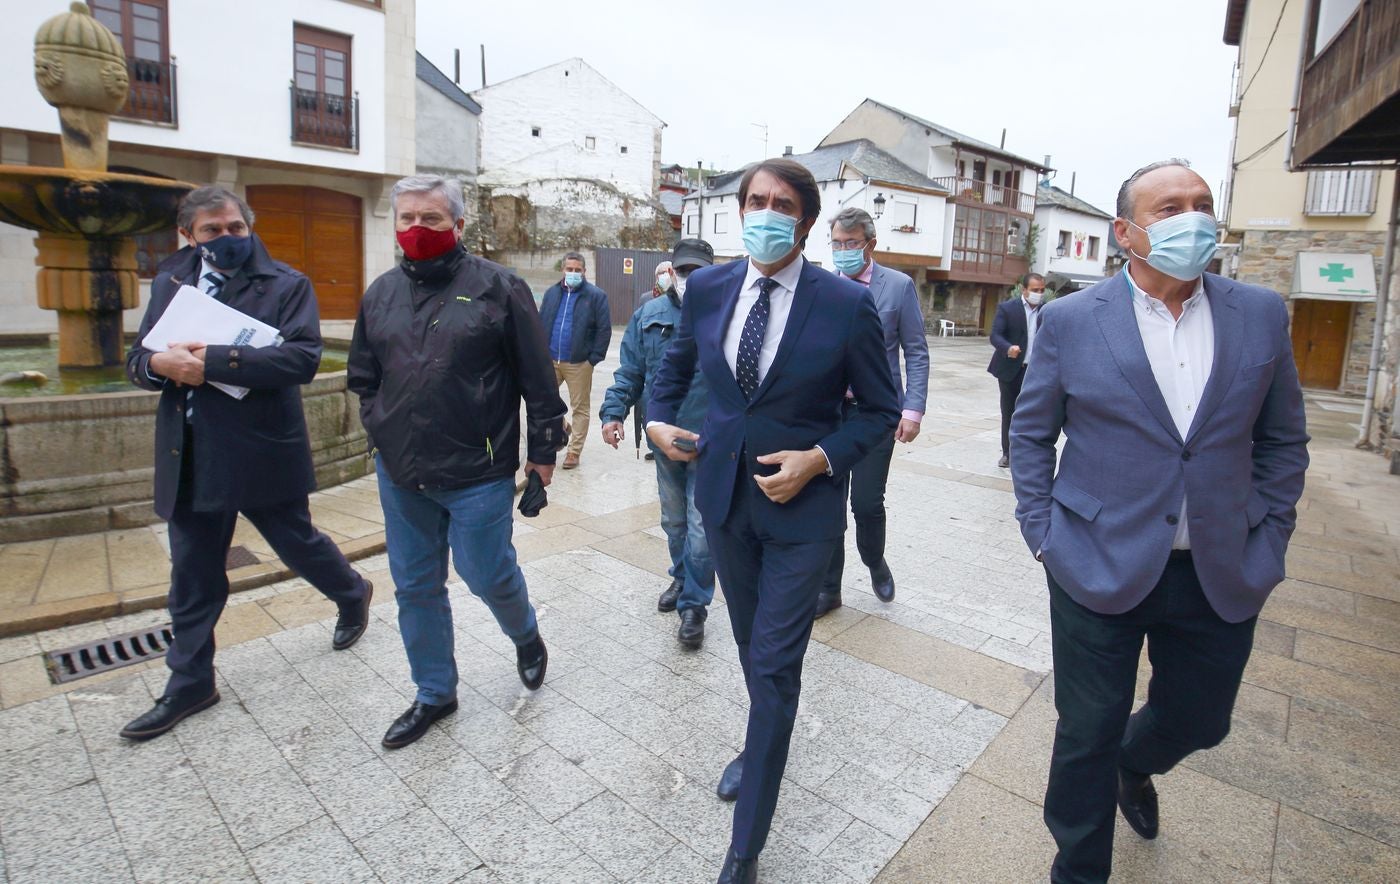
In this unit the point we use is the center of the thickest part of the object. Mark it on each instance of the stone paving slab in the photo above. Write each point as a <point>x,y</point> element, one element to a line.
<point>920,751</point>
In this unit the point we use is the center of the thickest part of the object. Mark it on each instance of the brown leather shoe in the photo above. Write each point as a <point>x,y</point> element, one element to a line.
<point>570,461</point>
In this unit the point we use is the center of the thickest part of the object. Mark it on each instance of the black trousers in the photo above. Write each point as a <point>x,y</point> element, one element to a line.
<point>867,490</point>
<point>199,543</point>
<point>1197,660</point>
<point>771,590</point>
<point>1009,391</point>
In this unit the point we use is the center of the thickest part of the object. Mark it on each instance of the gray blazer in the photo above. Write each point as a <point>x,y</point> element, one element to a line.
<point>898,305</point>
<point>1105,522</point>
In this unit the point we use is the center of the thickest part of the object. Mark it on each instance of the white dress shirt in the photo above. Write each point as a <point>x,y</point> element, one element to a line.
<point>1181,352</point>
<point>1031,314</point>
<point>779,306</point>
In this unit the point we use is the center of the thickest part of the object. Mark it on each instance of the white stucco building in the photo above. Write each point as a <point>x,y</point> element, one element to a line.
<point>568,159</point>
<point>304,107</point>
<point>911,208</point>
<point>1072,239</point>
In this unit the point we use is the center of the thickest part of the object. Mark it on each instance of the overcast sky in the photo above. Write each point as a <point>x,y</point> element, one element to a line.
<point>1102,86</point>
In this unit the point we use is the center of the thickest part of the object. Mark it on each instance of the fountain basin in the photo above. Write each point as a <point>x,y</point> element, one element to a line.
<point>75,464</point>
<point>86,203</point>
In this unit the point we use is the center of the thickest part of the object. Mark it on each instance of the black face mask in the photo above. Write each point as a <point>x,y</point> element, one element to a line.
<point>227,252</point>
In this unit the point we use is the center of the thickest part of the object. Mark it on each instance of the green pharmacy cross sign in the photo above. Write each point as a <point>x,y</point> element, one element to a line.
<point>1336,272</point>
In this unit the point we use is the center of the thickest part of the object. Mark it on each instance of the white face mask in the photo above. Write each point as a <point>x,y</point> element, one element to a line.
<point>680,286</point>
<point>663,281</point>
<point>1034,298</point>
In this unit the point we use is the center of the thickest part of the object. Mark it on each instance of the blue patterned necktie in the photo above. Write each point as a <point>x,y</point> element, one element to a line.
<point>213,283</point>
<point>751,340</point>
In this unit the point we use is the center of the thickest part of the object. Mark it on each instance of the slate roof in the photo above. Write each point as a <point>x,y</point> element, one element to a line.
<point>672,201</point>
<point>960,138</point>
<point>428,73</point>
<point>1050,195</point>
<point>825,165</point>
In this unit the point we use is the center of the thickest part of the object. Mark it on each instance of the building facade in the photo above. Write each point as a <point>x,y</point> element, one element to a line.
<point>303,107</point>
<point>991,206</point>
<point>1318,236</point>
<point>1072,240</point>
<point>448,132</point>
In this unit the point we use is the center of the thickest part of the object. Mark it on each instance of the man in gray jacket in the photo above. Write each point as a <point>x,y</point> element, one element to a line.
<point>853,251</point>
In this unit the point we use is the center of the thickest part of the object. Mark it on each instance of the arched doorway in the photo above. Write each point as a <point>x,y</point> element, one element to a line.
<point>320,233</point>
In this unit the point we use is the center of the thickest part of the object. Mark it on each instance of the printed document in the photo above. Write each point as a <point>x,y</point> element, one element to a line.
<point>194,316</point>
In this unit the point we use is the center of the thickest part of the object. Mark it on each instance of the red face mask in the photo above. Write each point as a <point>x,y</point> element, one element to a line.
<point>423,244</point>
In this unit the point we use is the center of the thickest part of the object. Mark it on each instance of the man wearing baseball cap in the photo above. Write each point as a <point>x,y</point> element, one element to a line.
<point>648,334</point>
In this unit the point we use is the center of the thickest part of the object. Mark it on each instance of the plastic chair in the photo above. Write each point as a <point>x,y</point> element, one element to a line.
<point>947,328</point>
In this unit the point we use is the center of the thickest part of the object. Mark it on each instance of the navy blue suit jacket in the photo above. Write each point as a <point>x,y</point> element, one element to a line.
<point>1008,330</point>
<point>832,341</point>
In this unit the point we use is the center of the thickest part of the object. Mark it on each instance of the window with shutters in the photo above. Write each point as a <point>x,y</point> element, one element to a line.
<point>1342,192</point>
<point>140,26</point>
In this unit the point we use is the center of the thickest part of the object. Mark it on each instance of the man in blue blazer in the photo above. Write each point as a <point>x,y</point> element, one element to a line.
<point>1013,336</point>
<point>1185,449</point>
<point>779,342</point>
<point>578,326</point>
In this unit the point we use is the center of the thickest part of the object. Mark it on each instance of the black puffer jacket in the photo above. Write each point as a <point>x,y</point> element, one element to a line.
<point>443,352</point>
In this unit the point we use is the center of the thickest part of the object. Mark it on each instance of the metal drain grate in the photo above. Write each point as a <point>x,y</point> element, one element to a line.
<point>239,556</point>
<point>71,664</point>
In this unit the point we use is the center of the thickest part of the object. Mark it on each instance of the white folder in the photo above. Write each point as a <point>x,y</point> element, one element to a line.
<point>194,316</point>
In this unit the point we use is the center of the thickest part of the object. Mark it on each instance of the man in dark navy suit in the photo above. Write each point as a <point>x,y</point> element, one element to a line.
<point>779,341</point>
<point>217,456</point>
<point>1013,336</point>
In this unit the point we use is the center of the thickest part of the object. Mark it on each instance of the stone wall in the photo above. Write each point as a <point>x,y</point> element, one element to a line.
<point>1267,258</point>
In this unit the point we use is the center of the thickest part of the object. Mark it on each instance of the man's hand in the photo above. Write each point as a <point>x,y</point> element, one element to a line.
<point>664,436</point>
<point>907,431</point>
<point>183,363</point>
<point>546,472</point>
<point>797,468</point>
<point>613,433</point>
<point>1013,351</point>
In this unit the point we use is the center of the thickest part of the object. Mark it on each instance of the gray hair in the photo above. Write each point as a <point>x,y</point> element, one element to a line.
<point>574,256</point>
<point>449,188</point>
<point>851,218</point>
<point>209,198</point>
<point>1125,196</point>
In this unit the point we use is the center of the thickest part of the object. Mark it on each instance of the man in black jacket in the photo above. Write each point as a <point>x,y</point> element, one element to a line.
<point>217,455</point>
<point>1013,336</point>
<point>576,321</point>
<point>446,345</point>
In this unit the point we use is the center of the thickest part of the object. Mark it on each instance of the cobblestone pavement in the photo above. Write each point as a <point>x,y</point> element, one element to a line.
<point>921,745</point>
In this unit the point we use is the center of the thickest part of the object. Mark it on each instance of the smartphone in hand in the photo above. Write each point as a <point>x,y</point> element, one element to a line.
<point>684,444</point>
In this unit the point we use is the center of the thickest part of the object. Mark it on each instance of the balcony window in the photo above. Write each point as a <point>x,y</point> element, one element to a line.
<point>140,26</point>
<point>1094,248</point>
<point>721,222</point>
<point>1346,192</point>
<point>692,225</point>
<point>324,110</point>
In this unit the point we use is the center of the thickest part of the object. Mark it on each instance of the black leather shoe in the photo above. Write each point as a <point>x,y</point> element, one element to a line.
<point>350,625</point>
<point>1137,799</point>
<point>882,581</point>
<point>826,603</point>
<point>737,870</point>
<point>414,723</point>
<point>667,603</point>
<point>531,659</point>
<point>728,788</point>
<point>168,712</point>
<point>692,631</point>
<point>1005,462</point>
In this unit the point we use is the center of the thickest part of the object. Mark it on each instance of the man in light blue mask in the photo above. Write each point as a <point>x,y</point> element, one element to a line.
<point>1169,516</point>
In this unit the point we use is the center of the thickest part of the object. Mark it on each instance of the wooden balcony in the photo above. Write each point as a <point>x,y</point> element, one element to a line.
<point>988,267</point>
<point>971,192</point>
<point>1349,107</point>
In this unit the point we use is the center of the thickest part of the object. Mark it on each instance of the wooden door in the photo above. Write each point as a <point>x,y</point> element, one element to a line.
<point>320,233</point>
<point>1320,331</point>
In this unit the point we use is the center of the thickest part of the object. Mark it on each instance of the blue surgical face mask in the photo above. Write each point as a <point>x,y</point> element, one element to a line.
<point>573,279</point>
<point>1182,245</point>
<point>227,252</point>
<point>849,261</point>
<point>769,235</point>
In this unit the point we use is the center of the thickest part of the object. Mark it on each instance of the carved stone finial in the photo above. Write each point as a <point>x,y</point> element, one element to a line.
<point>81,70</point>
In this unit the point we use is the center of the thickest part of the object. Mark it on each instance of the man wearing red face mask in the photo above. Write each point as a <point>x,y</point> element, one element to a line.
<point>445,348</point>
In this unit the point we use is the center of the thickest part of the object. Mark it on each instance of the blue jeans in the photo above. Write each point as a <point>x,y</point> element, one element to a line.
<point>685,536</point>
<point>419,527</point>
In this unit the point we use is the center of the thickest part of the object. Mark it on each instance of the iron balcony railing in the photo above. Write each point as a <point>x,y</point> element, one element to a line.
<point>151,95</point>
<point>325,120</point>
<point>972,191</point>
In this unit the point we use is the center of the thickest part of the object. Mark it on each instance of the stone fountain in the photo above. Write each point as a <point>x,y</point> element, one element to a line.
<point>85,215</point>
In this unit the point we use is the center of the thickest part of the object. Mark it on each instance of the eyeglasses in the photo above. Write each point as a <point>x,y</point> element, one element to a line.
<point>849,246</point>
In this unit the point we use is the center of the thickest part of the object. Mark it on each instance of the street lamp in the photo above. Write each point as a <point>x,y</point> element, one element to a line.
<point>879,204</point>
